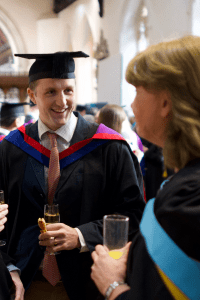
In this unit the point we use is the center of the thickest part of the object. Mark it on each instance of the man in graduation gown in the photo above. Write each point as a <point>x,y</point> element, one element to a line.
<point>12,115</point>
<point>99,175</point>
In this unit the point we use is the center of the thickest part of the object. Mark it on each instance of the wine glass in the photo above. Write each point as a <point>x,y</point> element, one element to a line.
<point>115,234</point>
<point>51,216</point>
<point>2,201</point>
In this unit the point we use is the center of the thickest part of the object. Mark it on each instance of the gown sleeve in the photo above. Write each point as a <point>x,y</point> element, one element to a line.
<point>123,192</point>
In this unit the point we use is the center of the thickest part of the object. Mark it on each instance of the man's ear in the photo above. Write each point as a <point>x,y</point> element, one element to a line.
<point>31,94</point>
<point>15,123</point>
<point>166,103</point>
<point>18,122</point>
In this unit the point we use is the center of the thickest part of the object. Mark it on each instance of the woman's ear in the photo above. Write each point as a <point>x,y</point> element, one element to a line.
<point>31,94</point>
<point>166,103</point>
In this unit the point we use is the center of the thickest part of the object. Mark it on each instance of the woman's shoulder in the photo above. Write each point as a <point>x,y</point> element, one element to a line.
<point>177,208</point>
<point>183,183</point>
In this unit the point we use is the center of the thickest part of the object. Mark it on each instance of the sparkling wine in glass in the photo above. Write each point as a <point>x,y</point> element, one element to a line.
<point>115,234</point>
<point>52,216</point>
<point>2,201</point>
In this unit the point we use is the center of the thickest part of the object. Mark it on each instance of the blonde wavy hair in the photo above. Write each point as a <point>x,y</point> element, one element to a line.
<point>174,66</point>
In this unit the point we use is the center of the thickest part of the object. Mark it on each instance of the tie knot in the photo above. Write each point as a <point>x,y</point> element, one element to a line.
<point>52,137</point>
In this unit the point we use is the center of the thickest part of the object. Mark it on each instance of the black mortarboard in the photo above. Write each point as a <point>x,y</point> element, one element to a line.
<point>10,110</point>
<point>80,107</point>
<point>53,65</point>
<point>32,104</point>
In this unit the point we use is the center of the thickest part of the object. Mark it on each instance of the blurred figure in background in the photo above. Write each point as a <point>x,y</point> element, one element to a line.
<point>114,117</point>
<point>81,109</point>
<point>12,115</point>
<point>89,118</point>
<point>91,110</point>
<point>96,117</point>
<point>133,123</point>
<point>155,170</point>
<point>33,114</point>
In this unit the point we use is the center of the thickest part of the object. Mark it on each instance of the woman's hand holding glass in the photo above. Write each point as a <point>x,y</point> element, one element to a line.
<point>106,270</point>
<point>110,260</point>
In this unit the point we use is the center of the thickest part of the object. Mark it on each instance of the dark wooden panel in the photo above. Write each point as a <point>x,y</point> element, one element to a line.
<point>59,5</point>
<point>101,8</point>
<point>7,82</point>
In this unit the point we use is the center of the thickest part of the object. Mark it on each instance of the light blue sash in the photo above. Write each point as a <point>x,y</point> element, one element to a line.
<point>182,270</point>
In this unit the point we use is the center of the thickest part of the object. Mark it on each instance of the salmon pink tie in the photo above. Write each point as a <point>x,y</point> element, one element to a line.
<point>50,267</point>
<point>54,168</point>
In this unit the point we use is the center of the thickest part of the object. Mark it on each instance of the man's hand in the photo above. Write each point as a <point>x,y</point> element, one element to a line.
<point>3,213</point>
<point>106,269</point>
<point>59,237</point>
<point>19,288</point>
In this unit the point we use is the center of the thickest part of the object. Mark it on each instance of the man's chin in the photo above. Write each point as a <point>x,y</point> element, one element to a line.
<point>61,123</point>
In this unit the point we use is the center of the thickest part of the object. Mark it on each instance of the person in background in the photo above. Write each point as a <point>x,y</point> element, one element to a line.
<point>164,257</point>
<point>11,116</point>
<point>93,175</point>
<point>133,124</point>
<point>114,116</point>
<point>91,109</point>
<point>33,113</point>
<point>155,170</point>
<point>81,109</point>
<point>89,118</point>
<point>96,117</point>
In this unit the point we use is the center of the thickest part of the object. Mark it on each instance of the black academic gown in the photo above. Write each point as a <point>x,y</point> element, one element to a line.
<point>154,170</point>
<point>5,278</point>
<point>177,209</point>
<point>105,181</point>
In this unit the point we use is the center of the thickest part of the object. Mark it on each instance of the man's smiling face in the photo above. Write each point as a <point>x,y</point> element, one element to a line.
<point>55,100</point>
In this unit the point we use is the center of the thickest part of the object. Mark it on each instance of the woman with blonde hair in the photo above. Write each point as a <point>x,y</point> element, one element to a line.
<point>164,258</point>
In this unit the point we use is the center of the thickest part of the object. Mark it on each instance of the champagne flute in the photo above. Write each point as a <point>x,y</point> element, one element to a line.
<point>52,216</point>
<point>2,201</point>
<point>115,234</point>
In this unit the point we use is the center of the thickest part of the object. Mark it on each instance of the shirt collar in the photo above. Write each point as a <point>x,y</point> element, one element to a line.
<point>66,131</point>
<point>4,131</point>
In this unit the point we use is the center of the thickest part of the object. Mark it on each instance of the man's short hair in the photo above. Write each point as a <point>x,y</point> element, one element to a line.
<point>33,85</point>
<point>7,122</point>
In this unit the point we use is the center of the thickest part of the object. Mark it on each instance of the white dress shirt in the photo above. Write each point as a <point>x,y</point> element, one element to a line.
<point>64,136</point>
<point>4,131</point>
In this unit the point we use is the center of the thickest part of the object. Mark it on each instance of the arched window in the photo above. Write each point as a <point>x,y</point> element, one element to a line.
<point>6,55</point>
<point>11,37</point>
<point>141,27</point>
